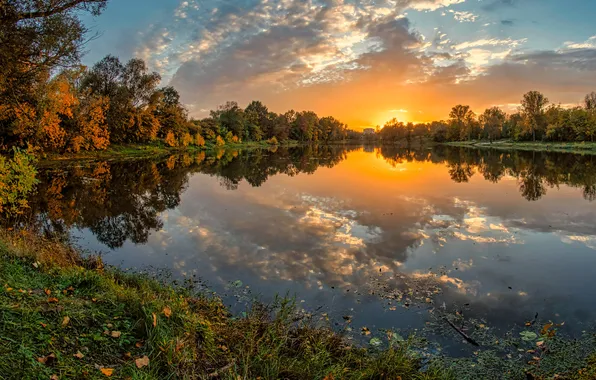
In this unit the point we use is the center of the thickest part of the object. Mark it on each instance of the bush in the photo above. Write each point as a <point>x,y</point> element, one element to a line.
<point>17,180</point>
<point>219,141</point>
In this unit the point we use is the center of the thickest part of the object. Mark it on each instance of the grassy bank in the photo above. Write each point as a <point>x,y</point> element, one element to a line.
<point>538,146</point>
<point>66,317</point>
<point>154,150</point>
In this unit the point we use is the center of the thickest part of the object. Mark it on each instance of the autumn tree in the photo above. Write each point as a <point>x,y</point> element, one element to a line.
<point>36,37</point>
<point>533,104</point>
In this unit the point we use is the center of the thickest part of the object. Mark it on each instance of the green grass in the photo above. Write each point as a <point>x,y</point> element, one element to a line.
<point>538,146</point>
<point>124,151</point>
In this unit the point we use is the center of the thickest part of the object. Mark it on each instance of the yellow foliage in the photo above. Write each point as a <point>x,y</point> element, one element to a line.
<point>235,139</point>
<point>199,140</point>
<point>186,139</point>
<point>92,131</point>
<point>171,139</point>
<point>219,141</point>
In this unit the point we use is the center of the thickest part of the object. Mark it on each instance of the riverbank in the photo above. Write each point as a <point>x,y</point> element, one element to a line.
<point>155,150</point>
<point>538,146</point>
<point>68,317</point>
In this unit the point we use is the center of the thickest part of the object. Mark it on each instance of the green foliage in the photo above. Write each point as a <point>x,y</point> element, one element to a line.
<point>17,181</point>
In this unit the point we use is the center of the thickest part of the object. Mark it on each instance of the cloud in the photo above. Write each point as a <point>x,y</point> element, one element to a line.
<point>507,22</point>
<point>464,16</point>
<point>433,5</point>
<point>490,42</point>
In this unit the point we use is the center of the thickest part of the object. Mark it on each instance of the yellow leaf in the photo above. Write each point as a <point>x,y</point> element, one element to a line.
<point>142,362</point>
<point>167,312</point>
<point>116,334</point>
<point>107,371</point>
<point>79,355</point>
<point>154,319</point>
<point>47,292</point>
<point>66,321</point>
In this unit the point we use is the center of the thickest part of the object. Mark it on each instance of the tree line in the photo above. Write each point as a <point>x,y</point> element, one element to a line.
<point>50,102</point>
<point>536,120</point>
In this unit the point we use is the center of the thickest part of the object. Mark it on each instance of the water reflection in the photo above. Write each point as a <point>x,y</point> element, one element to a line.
<point>342,227</point>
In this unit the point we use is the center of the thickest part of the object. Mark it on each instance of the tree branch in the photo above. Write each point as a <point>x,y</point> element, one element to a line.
<point>55,10</point>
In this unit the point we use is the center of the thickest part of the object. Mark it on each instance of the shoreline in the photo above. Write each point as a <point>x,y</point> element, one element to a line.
<point>560,147</point>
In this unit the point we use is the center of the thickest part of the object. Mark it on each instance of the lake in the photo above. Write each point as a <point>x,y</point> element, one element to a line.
<point>365,236</point>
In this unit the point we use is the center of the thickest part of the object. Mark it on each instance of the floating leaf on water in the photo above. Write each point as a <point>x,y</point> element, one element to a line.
<point>236,283</point>
<point>375,342</point>
<point>528,336</point>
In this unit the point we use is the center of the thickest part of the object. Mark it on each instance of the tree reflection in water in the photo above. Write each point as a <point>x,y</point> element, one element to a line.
<point>122,201</point>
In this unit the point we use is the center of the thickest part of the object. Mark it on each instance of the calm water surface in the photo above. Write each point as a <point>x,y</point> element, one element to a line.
<point>389,237</point>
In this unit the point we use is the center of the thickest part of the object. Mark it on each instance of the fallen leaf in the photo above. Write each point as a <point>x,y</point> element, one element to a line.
<point>43,324</point>
<point>93,299</point>
<point>47,360</point>
<point>127,355</point>
<point>329,376</point>
<point>54,377</point>
<point>540,344</point>
<point>139,344</point>
<point>116,334</point>
<point>79,355</point>
<point>8,289</point>
<point>47,292</point>
<point>52,300</point>
<point>154,319</point>
<point>107,371</point>
<point>546,328</point>
<point>142,362</point>
<point>167,312</point>
<point>66,321</point>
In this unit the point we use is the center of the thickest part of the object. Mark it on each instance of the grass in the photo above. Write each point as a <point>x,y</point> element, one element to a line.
<point>538,146</point>
<point>154,149</point>
<point>67,317</point>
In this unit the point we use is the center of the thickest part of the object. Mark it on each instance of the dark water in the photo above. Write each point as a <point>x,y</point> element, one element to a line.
<point>389,237</point>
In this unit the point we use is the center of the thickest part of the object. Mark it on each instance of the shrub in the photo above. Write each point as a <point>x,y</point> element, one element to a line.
<point>219,141</point>
<point>17,180</point>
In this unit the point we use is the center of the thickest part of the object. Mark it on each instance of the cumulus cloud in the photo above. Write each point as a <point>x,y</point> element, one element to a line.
<point>325,54</point>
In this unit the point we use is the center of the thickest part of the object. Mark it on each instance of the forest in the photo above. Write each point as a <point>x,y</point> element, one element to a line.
<point>536,120</point>
<point>50,102</point>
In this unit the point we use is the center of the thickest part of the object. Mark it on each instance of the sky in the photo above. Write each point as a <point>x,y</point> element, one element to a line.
<point>363,62</point>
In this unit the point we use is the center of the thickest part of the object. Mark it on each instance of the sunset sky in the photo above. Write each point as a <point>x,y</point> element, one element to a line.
<point>363,62</point>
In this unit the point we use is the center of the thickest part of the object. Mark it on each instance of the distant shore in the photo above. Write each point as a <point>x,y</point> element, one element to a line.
<point>123,151</point>
<point>538,146</point>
